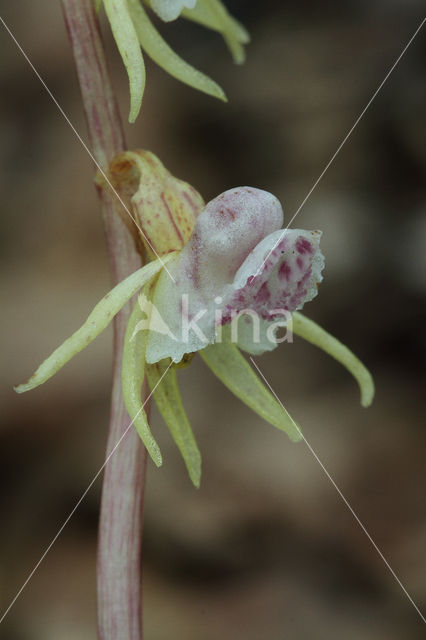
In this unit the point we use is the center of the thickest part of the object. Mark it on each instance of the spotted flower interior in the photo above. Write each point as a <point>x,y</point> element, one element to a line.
<point>238,258</point>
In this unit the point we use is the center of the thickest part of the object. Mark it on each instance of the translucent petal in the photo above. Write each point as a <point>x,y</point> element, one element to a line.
<point>189,318</point>
<point>128,44</point>
<point>230,366</point>
<point>154,45</point>
<point>97,321</point>
<point>313,333</point>
<point>169,403</point>
<point>132,376</point>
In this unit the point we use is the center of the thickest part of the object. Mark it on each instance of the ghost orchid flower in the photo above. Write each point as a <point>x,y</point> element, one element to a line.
<point>226,277</point>
<point>132,30</point>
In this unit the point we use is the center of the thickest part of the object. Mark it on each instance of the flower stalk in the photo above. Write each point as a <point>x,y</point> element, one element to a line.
<point>221,277</point>
<point>120,528</point>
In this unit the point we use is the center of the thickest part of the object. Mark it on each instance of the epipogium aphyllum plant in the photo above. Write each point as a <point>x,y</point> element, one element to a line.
<point>219,278</point>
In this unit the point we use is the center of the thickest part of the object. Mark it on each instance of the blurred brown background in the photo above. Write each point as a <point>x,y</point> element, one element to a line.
<point>266,548</point>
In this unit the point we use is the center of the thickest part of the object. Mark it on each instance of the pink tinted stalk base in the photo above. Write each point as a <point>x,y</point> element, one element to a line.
<point>120,528</point>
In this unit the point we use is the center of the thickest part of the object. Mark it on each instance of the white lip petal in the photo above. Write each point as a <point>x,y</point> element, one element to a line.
<point>238,258</point>
<point>225,233</point>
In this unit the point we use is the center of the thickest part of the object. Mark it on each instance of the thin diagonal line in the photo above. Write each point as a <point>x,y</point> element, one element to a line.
<point>80,500</point>
<point>80,139</point>
<point>343,497</point>
<point>345,139</point>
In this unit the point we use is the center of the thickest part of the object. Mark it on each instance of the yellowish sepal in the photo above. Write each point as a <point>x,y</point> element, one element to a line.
<point>230,30</point>
<point>230,366</point>
<point>132,377</point>
<point>213,15</point>
<point>127,42</point>
<point>314,334</point>
<point>169,403</point>
<point>157,49</point>
<point>97,321</point>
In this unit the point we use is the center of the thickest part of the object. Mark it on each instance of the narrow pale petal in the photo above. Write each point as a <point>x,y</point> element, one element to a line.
<point>132,376</point>
<point>202,14</point>
<point>128,45</point>
<point>169,403</point>
<point>213,15</point>
<point>311,332</point>
<point>154,45</point>
<point>228,29</point>
<point>230,366</point>
<point>97,321</point>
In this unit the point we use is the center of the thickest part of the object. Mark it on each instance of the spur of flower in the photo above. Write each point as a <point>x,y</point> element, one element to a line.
<point>221,278</point>
<point>133,30</point>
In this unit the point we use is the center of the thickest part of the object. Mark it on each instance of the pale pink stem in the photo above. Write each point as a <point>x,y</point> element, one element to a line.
<point>120,528</point>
